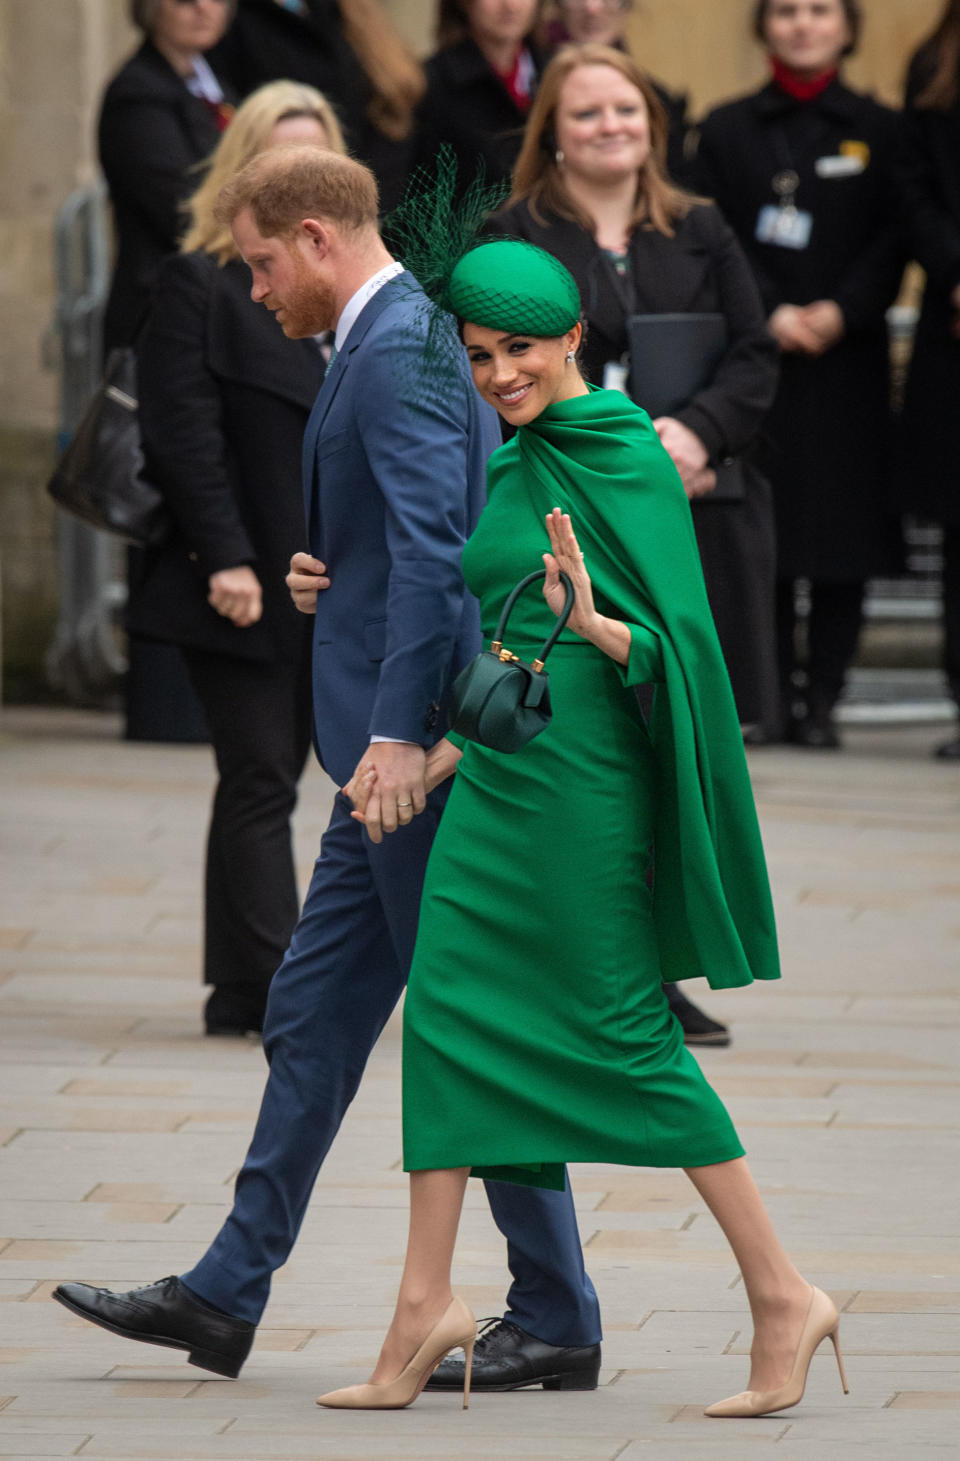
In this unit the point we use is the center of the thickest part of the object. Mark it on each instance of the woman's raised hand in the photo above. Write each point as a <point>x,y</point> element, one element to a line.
<point>567,558</point>
<point>610,635</point>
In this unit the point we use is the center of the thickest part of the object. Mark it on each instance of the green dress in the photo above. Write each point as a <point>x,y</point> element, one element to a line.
<point>568,880</point>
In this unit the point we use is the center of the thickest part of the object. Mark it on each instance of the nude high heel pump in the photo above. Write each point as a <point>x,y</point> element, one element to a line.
<point>822,1322</point>
<point>455,1329</point>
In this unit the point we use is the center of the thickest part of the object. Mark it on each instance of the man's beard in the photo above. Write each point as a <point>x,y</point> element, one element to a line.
<point>309,306</point>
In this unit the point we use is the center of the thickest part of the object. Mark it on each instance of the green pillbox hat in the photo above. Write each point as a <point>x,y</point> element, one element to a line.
<point>514,286</point>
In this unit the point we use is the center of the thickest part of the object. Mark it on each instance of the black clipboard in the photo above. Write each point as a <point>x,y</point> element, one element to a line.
<point>672,358</point>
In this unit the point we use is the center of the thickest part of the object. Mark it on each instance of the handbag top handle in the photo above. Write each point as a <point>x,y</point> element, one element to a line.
<point>562,617</point>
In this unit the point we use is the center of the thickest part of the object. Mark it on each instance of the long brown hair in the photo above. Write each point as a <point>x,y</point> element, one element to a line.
<point>393,71</point>
<point>537,179</point>
<point>939,62</point>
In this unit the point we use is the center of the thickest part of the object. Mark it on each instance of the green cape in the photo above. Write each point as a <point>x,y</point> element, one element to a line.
<point>599,458</point>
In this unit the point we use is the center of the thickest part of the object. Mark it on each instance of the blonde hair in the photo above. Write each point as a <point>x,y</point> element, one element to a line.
<point>538,180</point>
<point>393,71</point>
<point>247,135</point>
<point>284,185</point>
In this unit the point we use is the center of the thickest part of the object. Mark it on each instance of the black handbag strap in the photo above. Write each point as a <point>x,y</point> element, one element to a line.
<point>558,627</point>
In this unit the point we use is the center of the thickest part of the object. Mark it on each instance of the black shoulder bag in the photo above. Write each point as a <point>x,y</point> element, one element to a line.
<point>100,477</point>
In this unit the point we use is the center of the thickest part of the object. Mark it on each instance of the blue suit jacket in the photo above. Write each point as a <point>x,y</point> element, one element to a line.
<point>394,480</point>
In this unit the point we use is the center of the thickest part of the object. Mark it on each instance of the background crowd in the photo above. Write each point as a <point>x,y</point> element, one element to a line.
<point>789,214</point>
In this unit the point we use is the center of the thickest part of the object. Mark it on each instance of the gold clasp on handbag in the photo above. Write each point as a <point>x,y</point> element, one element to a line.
<point>506,657</point>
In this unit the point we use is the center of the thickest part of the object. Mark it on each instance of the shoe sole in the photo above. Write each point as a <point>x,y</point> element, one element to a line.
<point>204,1359</point>
<point>548,1382</point>
<point>721,1040</point>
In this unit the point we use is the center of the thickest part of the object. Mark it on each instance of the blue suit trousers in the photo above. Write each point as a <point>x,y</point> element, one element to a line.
<point>335,990</point>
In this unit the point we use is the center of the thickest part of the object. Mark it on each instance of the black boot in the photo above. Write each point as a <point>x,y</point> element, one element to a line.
<point>817,730</point>
<point>948,750</point>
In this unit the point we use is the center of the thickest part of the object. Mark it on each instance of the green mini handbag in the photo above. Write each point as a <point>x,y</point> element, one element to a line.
<point>499,700</point>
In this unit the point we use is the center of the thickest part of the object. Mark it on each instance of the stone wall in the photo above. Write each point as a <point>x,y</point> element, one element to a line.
<point>54,56</point>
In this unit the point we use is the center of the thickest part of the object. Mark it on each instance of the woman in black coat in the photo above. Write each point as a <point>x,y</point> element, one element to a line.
<point>162,114</point>
<point>480,83</point>
<point>930,188</point>
<point>679,257</point>
<point>803,170</point>
<point>588,189</point>
<point>351,52</point>
<point>224,399</point>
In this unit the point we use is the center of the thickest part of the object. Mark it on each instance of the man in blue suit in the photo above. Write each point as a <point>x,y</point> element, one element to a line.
<point>393,474</point>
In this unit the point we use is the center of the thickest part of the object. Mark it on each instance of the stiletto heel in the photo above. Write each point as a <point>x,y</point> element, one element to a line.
<point>467,1370</point>
<point>835,1340</point>
<point>822,1322</point>
<point>455,1329</point>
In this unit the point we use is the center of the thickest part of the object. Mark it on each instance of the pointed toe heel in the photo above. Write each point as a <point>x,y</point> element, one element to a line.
<point>456,1329</point>
<point>822,1322</point>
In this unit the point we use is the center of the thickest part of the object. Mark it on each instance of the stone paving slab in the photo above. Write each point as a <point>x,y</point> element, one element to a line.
<point>121,1130</point>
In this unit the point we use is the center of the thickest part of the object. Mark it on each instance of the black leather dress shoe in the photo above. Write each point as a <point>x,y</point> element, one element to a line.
<point>166,1313</point>
<point>506,1358</point>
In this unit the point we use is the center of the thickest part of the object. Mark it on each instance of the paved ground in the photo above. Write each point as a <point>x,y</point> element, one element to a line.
<point>121,1130</point>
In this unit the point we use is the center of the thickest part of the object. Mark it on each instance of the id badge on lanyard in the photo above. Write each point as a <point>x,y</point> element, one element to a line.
<point>784,224</point>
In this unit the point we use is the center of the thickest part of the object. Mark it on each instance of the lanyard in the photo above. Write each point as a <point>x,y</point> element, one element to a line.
<point>786,179</point>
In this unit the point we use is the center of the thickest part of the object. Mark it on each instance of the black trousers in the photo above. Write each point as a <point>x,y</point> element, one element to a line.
<point>833,629</point>
<point>260,719</point>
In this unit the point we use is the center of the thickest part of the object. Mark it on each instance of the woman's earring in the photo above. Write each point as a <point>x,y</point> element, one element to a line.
<point>558,157</point>
<point>571,357</point>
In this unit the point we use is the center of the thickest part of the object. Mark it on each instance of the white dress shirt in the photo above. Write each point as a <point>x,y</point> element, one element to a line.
<point>351,310</point>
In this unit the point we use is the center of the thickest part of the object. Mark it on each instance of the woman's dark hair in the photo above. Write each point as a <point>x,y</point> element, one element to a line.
<point>851,10</point>
<point>938,63</point>
<point>453,24</point>
<point>143,14</point>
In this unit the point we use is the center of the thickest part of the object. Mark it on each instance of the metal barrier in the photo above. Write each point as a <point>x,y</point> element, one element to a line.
<point>86,658</point>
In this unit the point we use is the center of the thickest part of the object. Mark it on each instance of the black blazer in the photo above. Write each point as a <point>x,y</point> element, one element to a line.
<point>152,131</point>
<point>266,42</point>
<point>856,250</point>
<point>830,429</point>
<point>700,269</point>
<point>929,177</point>
<point>467,106</point>
<point>224,399</point>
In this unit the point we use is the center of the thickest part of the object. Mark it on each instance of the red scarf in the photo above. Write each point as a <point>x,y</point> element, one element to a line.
<point>517,79</point>
<point>801,88</point>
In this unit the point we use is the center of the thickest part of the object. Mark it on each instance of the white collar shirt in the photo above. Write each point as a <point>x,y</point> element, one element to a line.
<point>354,305</point>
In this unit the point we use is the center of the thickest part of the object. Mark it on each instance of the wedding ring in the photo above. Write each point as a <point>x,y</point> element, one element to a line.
<point>404,804</point>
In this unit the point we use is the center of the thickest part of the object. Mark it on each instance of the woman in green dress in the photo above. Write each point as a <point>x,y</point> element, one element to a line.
<point>536,1030</point>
